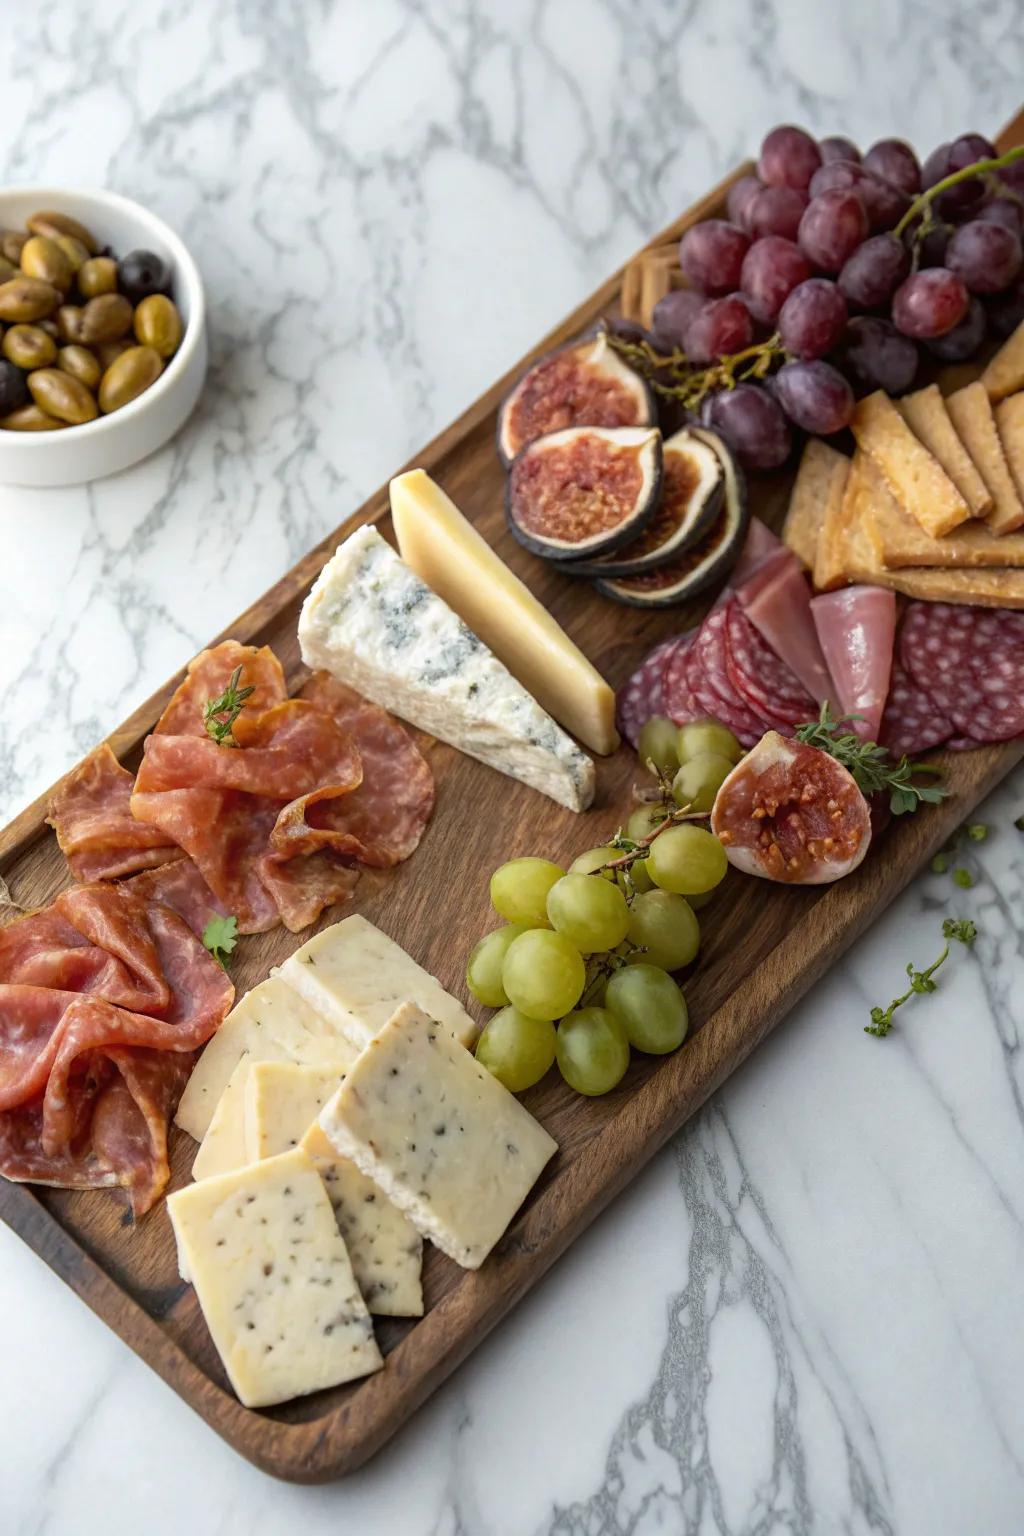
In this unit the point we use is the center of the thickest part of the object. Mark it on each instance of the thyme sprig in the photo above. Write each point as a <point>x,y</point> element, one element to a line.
<point>220,714</point>
<point>872,767</point>
<point>922,982</point>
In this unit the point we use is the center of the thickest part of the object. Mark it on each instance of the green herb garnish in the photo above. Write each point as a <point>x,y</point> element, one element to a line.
<point>960,928</point>
<point>963,878</point>
<point>220,937</point>
<point>940,864</point>
<point>977,831</point>
<point>219,715</point>
<point>871,766</point>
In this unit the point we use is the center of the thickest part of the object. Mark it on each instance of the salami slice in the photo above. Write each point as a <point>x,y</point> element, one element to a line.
<point>641,696</point>
<point>911,722</point>
<point>962,744</point>
<point>679,702</point>
<point>970,662</point>
<point>762,678</point>
<point>711,686</point>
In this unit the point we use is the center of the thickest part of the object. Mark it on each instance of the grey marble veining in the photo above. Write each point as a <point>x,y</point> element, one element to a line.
<point>805,1316</point>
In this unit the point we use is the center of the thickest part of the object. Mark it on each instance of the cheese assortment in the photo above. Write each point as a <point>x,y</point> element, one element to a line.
<point>371,622</point>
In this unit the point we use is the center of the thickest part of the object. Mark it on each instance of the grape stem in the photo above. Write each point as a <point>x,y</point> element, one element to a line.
<point>922,204</point>
<point>641,847</point>
<point>692,383</point>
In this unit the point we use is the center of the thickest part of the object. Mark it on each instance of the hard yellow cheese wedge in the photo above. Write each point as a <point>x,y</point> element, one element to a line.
<point>448,554</point>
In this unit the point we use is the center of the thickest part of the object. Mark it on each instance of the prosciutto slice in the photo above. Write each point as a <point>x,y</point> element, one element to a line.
<point>857,628</point>
<point>777,601</point>
<point>91,815</point>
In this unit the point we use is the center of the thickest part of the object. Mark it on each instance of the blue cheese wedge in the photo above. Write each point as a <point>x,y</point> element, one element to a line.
<point>273,1279</point>
<point>355,977</point>
<point>282,1101</point>
<point>271,1023</point>
<point>374,624</point>
<point>445,1141</point>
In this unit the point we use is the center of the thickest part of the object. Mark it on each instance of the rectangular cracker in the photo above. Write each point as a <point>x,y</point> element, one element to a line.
<point>927,417</point>
<point>971,414</point>
<point>822,473</point>
<point>899,540</point>
<point>1009,416</point>
<point>913,475</point>
<point>830,557</point>
<point>1005,372</point>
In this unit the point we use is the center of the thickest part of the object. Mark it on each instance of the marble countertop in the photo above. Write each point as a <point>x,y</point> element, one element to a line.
<point>806,1315</point>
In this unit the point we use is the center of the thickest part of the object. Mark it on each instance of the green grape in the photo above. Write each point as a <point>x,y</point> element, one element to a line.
<point>645,818</point>
<point>665,925</point>
<point>701,736</point>
<point>651,1006</point>
<point>658,742</point>
<point>687,859</point>
<point>587,863</point>
<point>592,1050</point>
<point>515,1049</point>
<point>519,890</point>
<point>483,971</point>
<point>591,913</point>
<point>543,974</point>
<point>699,780</point>
<point>701,900</point>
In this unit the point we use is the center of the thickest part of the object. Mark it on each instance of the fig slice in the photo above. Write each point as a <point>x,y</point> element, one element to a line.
<point>585,384</point>
<point>791,813</point>
<point>585,490</point>
<point>692,486</point>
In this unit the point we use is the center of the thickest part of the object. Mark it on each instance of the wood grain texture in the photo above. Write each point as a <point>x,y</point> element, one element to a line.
<point>764,947</point>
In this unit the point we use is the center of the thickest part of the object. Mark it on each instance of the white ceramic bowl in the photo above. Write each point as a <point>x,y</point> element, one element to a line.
<point>110,443</point>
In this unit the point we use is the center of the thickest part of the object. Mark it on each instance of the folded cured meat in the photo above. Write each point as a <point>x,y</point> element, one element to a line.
<point>857,627</point>
<point>97,833</point>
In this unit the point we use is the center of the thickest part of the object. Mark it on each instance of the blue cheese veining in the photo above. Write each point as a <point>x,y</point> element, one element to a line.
<point>373,623</point>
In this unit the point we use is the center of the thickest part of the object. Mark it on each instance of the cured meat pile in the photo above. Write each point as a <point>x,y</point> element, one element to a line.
<point>276,820</point>
<point>105,997</point>
<point>958,679</point>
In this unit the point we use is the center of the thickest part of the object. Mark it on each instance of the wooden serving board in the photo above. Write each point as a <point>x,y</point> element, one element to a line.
<point>765,945</point>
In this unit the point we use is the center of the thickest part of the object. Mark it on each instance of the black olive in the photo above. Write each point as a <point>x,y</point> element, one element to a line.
<point>13,389</point>
<point>141,273</point>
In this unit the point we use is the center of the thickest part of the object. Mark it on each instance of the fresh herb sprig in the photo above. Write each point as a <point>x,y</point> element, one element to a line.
<point>872,767</point>
<point>220,714</point>
<point>959,928</point>
<point>220,937</point>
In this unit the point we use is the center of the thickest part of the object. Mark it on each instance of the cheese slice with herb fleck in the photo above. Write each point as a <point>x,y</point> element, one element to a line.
<point>355,976</point>
<point>270,1023</point>
<point>223,1149</point>
<point>282,1101</point>
<point>273,1279</point>
<point>445,1141</point>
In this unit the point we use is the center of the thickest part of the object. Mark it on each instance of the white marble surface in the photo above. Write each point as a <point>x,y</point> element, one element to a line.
<point>806,1316</point>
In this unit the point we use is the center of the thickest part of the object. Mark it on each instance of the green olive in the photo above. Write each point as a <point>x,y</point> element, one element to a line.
<point>107,352</point>
<point>158,324</point>
<point>28,346</point>
<point>29,418</point>
<point>106,318</point>
<point>82,365</point>
<point>27,298</point>
<point>76,253</point>
<point>12,242</point>
<point>43,258</point>
<point>51,328</point>
<point>97,275</point>
<point>69,322</point>
<point>8,270</point>
<point>129,374</point>
<point>59,394</point>
<point>53,224</point>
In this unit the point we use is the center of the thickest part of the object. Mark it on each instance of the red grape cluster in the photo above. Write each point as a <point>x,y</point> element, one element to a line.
<point>829,251</point>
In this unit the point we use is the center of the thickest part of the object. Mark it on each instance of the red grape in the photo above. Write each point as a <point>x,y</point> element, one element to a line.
<point>753,423</point>
<point>964,339</point>
<point>987,256</point>
<point>812,320</point>
<point>936,167</point>
<point>741,195</point>
<point>836,147</point>
<point>720,327</point>
<point>870,276</point>
<point>895,162</point>
<point>932,249</point>
<point>964,151</point>
<point>930,303</point>
<point>814,396</point>
<point>671,316</point>
<point>776,211</point>
<point>711,255</point>
<point>832,227</point>
<point>1012,175</point>
<point>789,158</point>
<point>771,270</point>
<point>1006,310</point>
<point>877,355</point>
<point>1004,211</point>
<point>885,203</point>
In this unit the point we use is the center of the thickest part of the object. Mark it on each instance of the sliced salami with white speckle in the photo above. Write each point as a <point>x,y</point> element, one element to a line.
<point>962,744</point>
<point>911,722</point>
<point>970,662</point>
<point>761,678</point>
<point>677,700</point>
<point>642,696</point>
<point>712,687</point>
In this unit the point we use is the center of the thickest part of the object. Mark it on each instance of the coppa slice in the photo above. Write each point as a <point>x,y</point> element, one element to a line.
<point>584,384</point>
<point>270,1268</point>
<point>355,976</point>
<point>584,491</point>
<point>445,1141</point>
<point>856,627</point>
<point>455,562</point>
<point>372,622</point>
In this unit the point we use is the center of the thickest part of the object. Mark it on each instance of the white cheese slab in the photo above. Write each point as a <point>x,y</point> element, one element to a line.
<point>271,1023</point>
<point>445,1141</point>
<point>273,1279</point>
<point>282,1101</point>
<point>223,1148</point>
<point>374,624</point>
<point>355,977</point>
